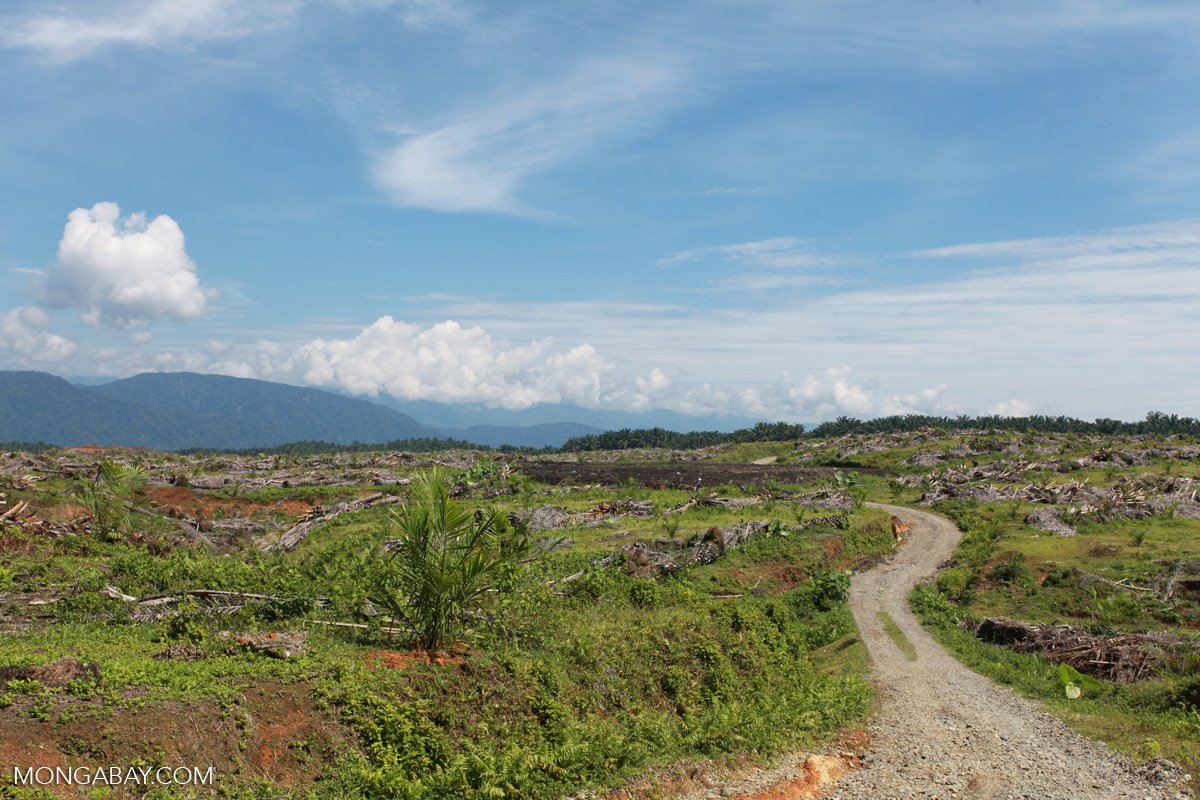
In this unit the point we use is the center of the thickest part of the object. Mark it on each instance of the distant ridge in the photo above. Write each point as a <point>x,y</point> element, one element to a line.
<point>185,410</point>
<point>176,411</point>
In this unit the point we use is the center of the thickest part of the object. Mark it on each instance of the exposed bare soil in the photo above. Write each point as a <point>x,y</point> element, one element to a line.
<point>275,733</point>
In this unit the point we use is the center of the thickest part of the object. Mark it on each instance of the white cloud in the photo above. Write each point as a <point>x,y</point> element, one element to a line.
<point>815,397</point>
<point>23,333</point>
<point>765,265</point>
<point>450,363</point>
<point>72,35</point>
<point>124,271</point>
<point>1167,168</point>
<point>784,252</point>
<point>1098,324</point>
<point>477,159</point>
<point>1012,408</point>
<point>1159,240</point>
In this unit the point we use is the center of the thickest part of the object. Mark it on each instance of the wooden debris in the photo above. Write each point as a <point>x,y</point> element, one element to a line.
<point>669,556</point>
<point>55,674</point>
<point>274,644</point>
<point>1123,658</point>
<point>322,514</point>
<point>210,601</point>
<point>15,510</point>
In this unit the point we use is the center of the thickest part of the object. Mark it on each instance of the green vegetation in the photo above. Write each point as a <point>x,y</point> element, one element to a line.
<point>455,663</point>
<point>1004,568</point>
<point>630,438</point>
<point>111,496</point>
<point>897,636</point>
<point>1155,423</point>
<point>445,562</point>
<point>460,665</point>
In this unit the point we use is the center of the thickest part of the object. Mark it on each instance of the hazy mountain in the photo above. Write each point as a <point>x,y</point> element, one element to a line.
<point>36,407</point>
<point>175,411</point>
<point>240,412</point>
<point>465,415</point>
<point>179,410</point>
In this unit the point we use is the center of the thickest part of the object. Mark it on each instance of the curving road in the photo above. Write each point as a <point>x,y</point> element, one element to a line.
<point>943,731</point>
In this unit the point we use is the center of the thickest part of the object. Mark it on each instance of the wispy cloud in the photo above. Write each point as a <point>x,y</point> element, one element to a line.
<point>784,252</point>
<point>73,35</point>
<point>1163,240</point>
<point>1168,167</point>
<point>477,159</point>
<point>1100,324</point>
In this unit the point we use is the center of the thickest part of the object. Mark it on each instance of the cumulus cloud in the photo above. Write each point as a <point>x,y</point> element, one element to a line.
<point>23,333</point>
<point>124,271</point>
<point>830,393</point>
<point>449,363</point>
<point>1012,408</point>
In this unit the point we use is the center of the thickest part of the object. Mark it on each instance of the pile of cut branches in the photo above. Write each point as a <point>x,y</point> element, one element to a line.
<point>1123,658</point>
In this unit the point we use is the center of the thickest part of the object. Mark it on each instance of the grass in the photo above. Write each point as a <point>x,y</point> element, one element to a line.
<point>582,684</point>
<point>1142,720</point>
<point>897,636</point>
<point>576,685</point>
<point>1003,568</point>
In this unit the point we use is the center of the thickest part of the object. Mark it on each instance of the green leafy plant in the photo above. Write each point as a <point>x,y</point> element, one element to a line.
<point>1074,683</point>
<point>829,588</point>
<point>446,561</point>
<point>111,497</point>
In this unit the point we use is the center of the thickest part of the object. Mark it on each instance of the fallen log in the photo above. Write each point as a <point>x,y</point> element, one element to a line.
<point>294,535</point>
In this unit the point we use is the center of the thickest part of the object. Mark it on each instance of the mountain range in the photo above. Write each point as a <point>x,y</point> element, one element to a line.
<point>181,410</point>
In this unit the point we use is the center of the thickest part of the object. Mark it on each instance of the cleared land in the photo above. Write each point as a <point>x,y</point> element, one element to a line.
<point>685,613</point>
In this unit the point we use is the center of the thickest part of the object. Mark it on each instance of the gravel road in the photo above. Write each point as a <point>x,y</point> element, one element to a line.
<point>943,731</point>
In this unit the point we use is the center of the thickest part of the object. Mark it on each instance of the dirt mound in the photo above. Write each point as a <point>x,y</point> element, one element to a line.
<point>403,659</point>
<point>55,674</point>
<point>274,732</point>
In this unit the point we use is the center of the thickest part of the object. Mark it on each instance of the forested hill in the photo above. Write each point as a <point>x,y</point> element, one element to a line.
<point>174,411</point>
<point>182,411</point>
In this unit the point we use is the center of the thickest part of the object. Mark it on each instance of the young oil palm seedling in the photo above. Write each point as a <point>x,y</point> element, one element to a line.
<point>111,497</point>
<point>445,562</point>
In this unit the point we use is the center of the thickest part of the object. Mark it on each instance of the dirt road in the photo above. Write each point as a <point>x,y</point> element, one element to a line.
<point>944,731</point>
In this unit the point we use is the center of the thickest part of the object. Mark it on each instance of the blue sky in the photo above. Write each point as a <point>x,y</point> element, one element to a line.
<point>785,210</point>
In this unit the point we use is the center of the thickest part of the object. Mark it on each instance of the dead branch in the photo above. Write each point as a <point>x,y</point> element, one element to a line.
<point>15,510</point>
<point>1123,658</point>
<point>1115,584</point>
<point>322,514</point>
<point>358,626</point>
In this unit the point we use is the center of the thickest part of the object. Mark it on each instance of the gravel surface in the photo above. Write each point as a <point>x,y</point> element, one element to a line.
<point>943,731</point>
